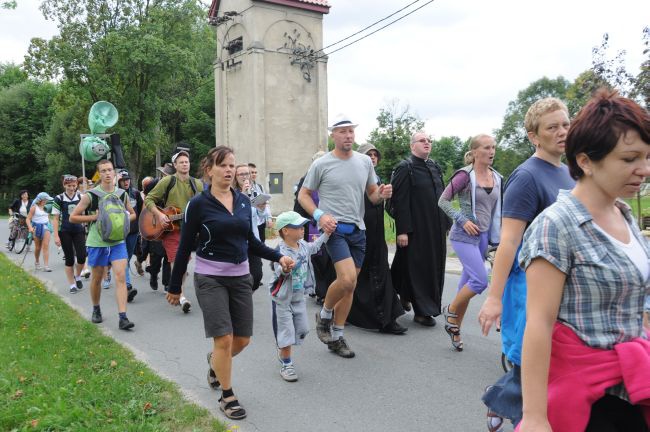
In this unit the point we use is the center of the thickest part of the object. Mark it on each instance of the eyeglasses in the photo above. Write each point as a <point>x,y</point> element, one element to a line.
<point>423,140</point>
<point>243,175</point>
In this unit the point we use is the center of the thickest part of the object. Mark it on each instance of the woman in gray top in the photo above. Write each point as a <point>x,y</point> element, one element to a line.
<point>476,224</point>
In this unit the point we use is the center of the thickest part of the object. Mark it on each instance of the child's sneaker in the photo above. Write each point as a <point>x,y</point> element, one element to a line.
<point>288,372</point>
<point>106,283</point>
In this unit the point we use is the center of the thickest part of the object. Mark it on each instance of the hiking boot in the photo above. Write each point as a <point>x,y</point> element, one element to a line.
<point>213,381</point>
<point>97,316</point>
<point>341,348</point>
<point>79,284</point>
<point>288,372</point>
<point>185,305</point>
<point>125,324</point>
<point>130,294</point>
<point>323,328</point>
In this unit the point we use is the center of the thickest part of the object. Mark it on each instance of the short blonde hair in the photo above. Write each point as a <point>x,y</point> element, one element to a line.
<point>539,108</point>
<point>473,145</point>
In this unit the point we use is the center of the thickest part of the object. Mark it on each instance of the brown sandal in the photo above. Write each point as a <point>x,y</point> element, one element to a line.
<point>231,408</point>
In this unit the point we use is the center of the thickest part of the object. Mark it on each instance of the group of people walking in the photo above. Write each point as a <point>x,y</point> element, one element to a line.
<point>571,261</point>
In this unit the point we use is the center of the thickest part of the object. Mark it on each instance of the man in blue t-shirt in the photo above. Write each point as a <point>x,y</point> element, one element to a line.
<point>532,187</point>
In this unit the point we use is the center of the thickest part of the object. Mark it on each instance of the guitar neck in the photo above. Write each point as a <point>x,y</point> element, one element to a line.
<point>175,217</point>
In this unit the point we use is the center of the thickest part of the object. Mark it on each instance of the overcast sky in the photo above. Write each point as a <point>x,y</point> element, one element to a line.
<point>456,63</point>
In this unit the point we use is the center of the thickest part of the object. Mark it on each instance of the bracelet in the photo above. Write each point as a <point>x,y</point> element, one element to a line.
<point>317,214</point>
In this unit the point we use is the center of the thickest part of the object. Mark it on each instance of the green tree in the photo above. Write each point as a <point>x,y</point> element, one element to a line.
<point>148,59</point>
<point>448,152</point>
<point>392,137</point>
<point>641,89</point>
<point>11,74</point>
<point>25,116</point>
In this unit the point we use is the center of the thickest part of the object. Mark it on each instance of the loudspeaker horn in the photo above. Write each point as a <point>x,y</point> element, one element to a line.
<point>102,116</point>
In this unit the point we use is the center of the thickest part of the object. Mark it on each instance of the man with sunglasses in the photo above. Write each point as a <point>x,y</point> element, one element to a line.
<point>418,269</point>
<point>71,237</point>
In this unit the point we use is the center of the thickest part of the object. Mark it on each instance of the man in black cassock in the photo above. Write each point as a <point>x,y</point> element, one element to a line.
<point>418,270</point>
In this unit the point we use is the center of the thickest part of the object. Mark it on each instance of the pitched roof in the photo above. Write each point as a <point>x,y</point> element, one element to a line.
<point>321,6</point>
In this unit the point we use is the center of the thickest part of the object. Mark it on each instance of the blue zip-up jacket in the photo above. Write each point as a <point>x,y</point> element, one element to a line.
<point>223,236</point>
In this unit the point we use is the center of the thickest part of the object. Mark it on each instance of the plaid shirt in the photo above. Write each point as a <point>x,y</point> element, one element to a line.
<point>604,291</point>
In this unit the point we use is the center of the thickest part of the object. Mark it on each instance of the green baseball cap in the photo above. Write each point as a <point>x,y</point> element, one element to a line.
<point>289,219</point>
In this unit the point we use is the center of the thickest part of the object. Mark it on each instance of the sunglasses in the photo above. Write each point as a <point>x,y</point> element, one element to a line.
<point>69,178</point>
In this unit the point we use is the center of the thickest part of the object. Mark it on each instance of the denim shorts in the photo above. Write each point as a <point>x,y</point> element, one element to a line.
<point>103,256</point>
<point>504,397</point>
<point>342,246</point>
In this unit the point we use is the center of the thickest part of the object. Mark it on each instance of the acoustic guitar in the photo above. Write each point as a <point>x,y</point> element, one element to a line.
<point>152,229</point>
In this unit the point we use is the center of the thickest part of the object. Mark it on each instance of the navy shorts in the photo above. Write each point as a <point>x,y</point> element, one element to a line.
<point>342,246</point>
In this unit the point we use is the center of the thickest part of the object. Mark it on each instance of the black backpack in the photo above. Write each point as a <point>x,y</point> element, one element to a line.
<point>296,205</point>
<point>390,205</point>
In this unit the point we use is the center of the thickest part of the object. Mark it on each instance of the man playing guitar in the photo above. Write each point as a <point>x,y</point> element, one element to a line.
<point>184,188</point>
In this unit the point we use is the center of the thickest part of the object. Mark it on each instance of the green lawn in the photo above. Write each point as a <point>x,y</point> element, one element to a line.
<point>645,205</point>
<point>59,372</point>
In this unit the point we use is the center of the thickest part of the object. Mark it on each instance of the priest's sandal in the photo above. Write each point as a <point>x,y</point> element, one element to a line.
<point>231,408</point>
<point>452,329</point>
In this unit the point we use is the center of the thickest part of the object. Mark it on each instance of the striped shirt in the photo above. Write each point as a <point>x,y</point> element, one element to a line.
<point>604,291</point>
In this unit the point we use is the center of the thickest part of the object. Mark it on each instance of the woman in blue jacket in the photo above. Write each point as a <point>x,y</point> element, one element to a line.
<point>221,217</point>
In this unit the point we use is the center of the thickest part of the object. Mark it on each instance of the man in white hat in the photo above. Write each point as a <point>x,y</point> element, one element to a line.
<point>341,177</point>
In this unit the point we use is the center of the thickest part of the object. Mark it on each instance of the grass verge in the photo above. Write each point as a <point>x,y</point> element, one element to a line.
<point>61,373</point>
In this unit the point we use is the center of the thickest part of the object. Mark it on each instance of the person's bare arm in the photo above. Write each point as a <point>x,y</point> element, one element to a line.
<point>132,215</point>
<point>545,284</point>
<point>377,193</point>
<point>326,221</point>
<point>55,228</point>
<point>77,215</point>
<point>512,231</point>
<point>30,215</point>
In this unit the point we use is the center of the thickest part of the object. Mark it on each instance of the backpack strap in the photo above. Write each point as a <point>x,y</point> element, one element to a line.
<point>172,183</point>
<point>193,185</point>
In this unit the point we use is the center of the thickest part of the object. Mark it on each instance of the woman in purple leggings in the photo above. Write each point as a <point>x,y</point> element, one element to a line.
<point>476,224</point>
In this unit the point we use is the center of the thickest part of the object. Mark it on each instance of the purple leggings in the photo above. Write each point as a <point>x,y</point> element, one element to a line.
<point>473,259</point>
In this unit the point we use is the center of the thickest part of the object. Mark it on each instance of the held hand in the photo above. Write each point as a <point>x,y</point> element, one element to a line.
<point>57,241</point>
<point>385,191</point>
<point>164,220</point>
<point>287,263</point>
<point>471,228</point>
<point>328,223</point>
<point>490,314</point>
<point>246,186</point>
<point>403,240</point>
<point>173,299</point>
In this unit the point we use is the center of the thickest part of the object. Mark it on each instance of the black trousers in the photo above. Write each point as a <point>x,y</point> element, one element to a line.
<point>612,414</point>
<point>262,230</point>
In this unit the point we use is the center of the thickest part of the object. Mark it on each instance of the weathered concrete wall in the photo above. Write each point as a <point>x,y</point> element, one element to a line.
<point>266,110</point>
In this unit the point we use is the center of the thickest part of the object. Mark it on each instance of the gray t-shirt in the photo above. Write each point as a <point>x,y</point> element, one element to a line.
<point>341,185</point>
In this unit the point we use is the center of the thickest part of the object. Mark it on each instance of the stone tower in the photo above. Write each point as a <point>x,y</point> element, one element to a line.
<point>271,88</point>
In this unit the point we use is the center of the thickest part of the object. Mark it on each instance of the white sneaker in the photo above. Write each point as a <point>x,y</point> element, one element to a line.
<point>106,283</point>
<point>185,305</point>
<point>288,372</point>
<point>37,266</point>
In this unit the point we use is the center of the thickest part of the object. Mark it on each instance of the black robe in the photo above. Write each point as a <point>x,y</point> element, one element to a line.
<point>418,270</point>
<point>375,301</point>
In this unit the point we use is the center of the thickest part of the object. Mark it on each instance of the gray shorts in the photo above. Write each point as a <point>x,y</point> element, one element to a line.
<point>290,324</point>
<point>226,303</point>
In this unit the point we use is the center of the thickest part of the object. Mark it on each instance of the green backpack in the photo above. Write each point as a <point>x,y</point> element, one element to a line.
<point>113,219</point>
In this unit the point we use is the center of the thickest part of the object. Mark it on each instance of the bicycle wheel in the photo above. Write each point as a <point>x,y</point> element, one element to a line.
<point>20,241</point>
<point>11,242</point>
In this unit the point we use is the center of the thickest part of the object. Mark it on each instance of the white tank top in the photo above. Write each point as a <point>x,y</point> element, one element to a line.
<point>40,216</point>
<point>633,250</point>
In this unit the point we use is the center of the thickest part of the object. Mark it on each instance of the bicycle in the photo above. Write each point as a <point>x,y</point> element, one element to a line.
<point>490,254</point>
<point>19,235</point>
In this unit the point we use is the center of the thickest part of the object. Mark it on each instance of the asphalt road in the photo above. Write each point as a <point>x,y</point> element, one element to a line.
<point>414,382</point>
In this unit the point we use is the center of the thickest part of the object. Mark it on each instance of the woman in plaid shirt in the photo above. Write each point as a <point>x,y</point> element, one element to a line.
<point>587,268</point>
